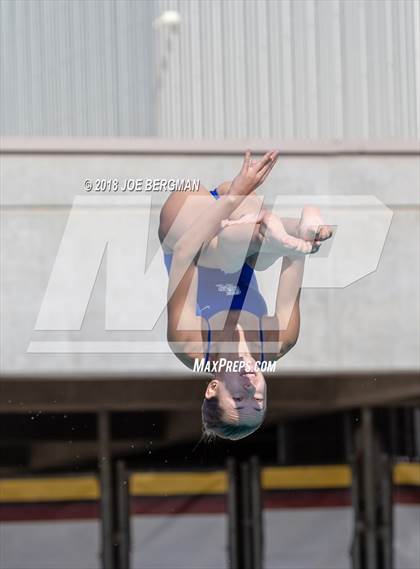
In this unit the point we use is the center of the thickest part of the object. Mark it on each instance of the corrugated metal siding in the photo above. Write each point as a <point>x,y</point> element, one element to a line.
<point>76,67</point>
<point>289,69</point>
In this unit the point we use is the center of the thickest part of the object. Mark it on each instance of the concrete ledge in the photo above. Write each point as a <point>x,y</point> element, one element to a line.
<point>134,145</point>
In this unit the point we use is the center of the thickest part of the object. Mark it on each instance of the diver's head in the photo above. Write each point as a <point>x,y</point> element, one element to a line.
<point>235,401</point>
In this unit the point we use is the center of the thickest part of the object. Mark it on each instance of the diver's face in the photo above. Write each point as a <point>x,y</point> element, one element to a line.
<point>242,395</point>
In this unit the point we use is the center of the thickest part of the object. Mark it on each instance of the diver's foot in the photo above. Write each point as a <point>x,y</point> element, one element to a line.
<point>311,226</point>
<point>273,236</point>
<point>277,240</point>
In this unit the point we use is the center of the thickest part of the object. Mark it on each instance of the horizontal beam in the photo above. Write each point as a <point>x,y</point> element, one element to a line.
<point>159,146</point>
<point>289,395</point>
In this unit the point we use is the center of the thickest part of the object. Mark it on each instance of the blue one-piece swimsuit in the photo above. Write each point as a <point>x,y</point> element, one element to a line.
<point>219,291</point>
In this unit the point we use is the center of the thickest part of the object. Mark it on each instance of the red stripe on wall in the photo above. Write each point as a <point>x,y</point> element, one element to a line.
<point>49,511</point>
<point>306,499</point>
<point>407,495</point>
<point>178,505</point>
<point>158,505</point>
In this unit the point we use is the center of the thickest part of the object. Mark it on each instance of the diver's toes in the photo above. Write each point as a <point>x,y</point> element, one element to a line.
<point>324,232</point>
<point>297,245</point>
<point>303,246</point>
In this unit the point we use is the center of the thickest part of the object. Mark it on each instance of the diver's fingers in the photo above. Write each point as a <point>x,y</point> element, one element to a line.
<point>266,159</point>
<point>264,173</point>
<point>247,161</point>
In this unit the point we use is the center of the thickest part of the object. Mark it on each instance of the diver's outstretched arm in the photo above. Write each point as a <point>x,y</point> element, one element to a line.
<point>282,329</point>
<point>252,174</point>
<point>184,329</point>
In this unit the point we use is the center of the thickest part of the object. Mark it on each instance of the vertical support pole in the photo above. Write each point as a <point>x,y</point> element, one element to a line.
<point>281,443</point>
<point>393,431</point>
<point>408,432</point>
<point>106,504</point>
<point>233,514</point>
<point>348,437</point>
<point>123,513</point>
<point>256,503</point>
<point>416,425</point>
<point>356,550</point>
<point>387,511</point>
<point>372,499</point>
<point>369,489</point>
<point>246,516</point>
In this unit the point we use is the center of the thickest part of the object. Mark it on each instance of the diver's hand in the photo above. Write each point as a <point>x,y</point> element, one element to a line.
<point>253,173</point>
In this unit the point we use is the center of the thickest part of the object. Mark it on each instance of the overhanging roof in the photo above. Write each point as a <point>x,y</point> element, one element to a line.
<point>289,395</point>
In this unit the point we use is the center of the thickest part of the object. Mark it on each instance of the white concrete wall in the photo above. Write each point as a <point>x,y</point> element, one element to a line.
<point>54,544</point>
<point>187,541</point>
<point>371,324</point>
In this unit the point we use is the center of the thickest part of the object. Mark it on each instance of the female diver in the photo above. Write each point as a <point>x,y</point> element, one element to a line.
<point>212,246</point>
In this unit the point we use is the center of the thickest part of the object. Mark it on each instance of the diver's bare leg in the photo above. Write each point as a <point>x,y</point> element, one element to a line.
<point>238,239</point>
<point>271,238</point>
